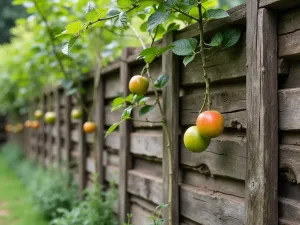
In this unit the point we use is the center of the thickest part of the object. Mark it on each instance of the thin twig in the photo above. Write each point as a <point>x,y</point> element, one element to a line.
<point>201,45</point>
<point>51,38</point>
<point>137,35</point>
<point>186,14</point>
<point>109,18</point>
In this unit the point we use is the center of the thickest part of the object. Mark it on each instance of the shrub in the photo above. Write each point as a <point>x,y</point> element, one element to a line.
<point>50,189</point>
<point>96,209</point>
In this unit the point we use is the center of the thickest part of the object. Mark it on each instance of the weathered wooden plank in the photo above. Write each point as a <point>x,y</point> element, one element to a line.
<point>147,143</point>
<point>237,16</point>
<point>112,174</point>
<point>293,78</point>
<point>232,104</point>
<point>113,141</point>
<point>111,117</point>
<point>262,114</point>
<point>278,4</point>
<point>153,168</point>
<point>112,85</point>
<point>286,222</point>
<point>225,156</point>
<point>99,120</point>
<point>289,22</point>
<point>90,165</point>
<point>145,186</point>
<point>217,184</point>
<point>125,156</point>
<point>140,216</point>
<point>82,150</point>
<point>154,115</point>
<point>289,210</point>
<point>224,65</point>
<point>57,96</point>
<point>209,207</point>
<point>289,45</point>
<point>111,67</point>
<point>289,106</point>
<point>289,161</point>
<point>170,63</point>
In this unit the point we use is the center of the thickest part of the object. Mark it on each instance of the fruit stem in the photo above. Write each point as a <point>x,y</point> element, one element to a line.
<point>201,45</point>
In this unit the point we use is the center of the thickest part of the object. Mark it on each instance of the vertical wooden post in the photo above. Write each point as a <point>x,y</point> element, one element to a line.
<point>125,156</point>
<point>43,131</point>
<point>170,67</point>
<point>67,132</point>
<point>57,126</point>
<point>99,136</point>
<point>49,130</point>
<point>262,111</point>
<point>82,154</point>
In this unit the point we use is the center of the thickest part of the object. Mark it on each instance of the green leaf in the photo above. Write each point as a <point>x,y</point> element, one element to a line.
<point>129,98</point>
<point>124,3</point>
<point>137,98</point>
<point>74,28</point>
<point>173,26</point>
<point>231,37</point>
<point>146,109</point>
<point>148,54</point>
<point>156,19</point>
<point>163,206</point>
<point>117,103</point>
<point>127,112</point>
<point>161,81</point>
<point>188,59</point>
<point>66,48</point>
<point>163,50</point>
<point>143,100</point>
<point>184,47</point>
<point>112,128</point>
<point>122,20</point>
<point>216,40</point>
<point>215,14</point>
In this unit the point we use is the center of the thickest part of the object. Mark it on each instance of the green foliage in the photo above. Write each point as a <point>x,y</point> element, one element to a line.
<point>95,209</point>
<point>49,189</point>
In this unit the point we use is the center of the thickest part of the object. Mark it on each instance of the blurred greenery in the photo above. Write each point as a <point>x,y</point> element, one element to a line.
<point>29,62</point>
<point>8,14</point>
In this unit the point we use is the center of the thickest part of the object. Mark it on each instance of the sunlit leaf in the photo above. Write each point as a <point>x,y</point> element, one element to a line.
<point>156,19</point>
<point>215,14</point>
<point>112,128</point>
<point>188,59</point>
<point>66,48</point>
<point>122,20</point>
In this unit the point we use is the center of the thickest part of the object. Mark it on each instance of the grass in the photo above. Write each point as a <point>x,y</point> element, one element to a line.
<point>15,205</point>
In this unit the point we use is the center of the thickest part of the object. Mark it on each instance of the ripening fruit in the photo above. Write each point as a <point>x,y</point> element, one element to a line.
<point>193,141</point>
<point>8,127</point>
<point>210,124</point>
<point>76,113</point>
<point>38,114</point>
<point>27,123</point>
<point>89,127</point>
<point>35,124</point>
<point>138,85</point>
<point>50,117</point>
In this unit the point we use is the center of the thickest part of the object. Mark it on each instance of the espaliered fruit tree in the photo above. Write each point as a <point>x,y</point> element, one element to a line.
<point>160,17</point>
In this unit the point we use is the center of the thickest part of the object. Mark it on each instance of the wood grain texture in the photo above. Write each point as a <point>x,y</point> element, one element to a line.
<point>262,119</point>
<point>147,143</point>
<point>278,4</point>
<point>210,207</point>
<point>225,157</point>
<point>289,109</point>
<point>289,210</point>
<point>125,156</point>
<point>170,66</point>
<point>224,66</point>
<point>145,186</point>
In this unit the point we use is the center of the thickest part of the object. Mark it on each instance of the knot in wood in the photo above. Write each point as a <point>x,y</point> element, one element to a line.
<point>203,169</point>
<point>236,124</point>
<point>253,186</point>
<point>224,96</point>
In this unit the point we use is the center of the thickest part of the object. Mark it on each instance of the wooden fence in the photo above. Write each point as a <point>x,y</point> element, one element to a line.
<point>243,177</point>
